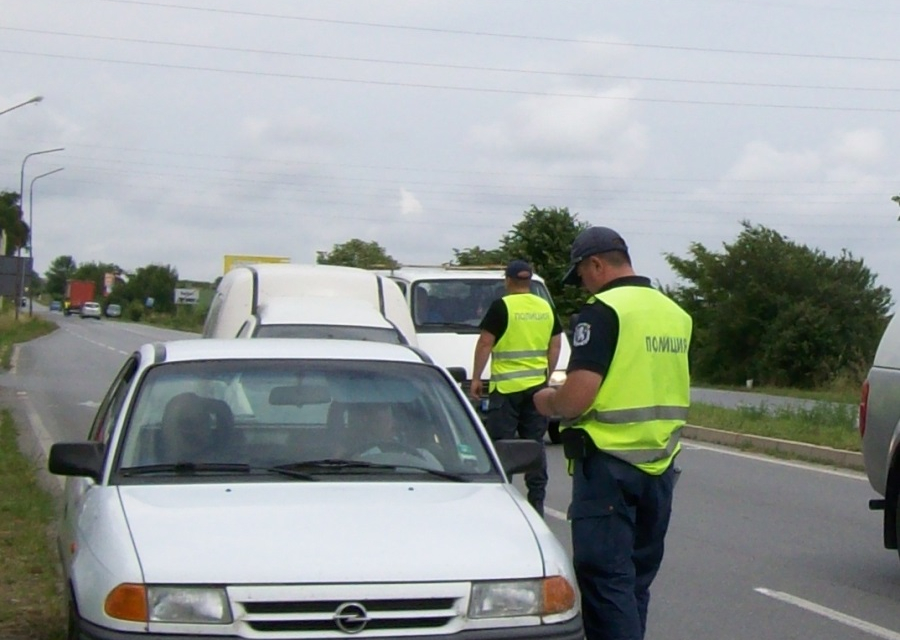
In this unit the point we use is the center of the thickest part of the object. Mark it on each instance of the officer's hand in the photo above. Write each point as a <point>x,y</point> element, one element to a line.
<point>475,390</point>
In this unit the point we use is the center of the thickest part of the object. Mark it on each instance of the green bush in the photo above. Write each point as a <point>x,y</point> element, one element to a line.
<point>135,310</point>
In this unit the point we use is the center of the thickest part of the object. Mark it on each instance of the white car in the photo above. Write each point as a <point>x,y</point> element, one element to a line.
<point>301,489</point>
<point>90,310</point>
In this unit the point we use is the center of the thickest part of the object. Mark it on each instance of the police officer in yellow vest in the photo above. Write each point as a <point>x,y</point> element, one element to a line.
<point>522,335</point>
<point>625,400</point>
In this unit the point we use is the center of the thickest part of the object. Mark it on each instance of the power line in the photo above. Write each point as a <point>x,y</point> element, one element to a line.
<point>489,90</point>
<point>454,67</point>
<point>512,36</point>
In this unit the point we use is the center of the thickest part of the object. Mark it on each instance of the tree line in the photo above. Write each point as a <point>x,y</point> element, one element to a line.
<point>764,307</point>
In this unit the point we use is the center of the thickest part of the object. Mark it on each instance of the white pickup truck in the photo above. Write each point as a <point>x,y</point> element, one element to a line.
<point>879,427</point>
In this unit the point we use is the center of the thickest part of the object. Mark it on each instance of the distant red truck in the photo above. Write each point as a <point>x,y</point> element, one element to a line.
<point>77,293</point>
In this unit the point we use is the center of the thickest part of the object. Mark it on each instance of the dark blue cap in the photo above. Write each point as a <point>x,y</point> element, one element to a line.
<point>519,270</point>
<point>591,242</point>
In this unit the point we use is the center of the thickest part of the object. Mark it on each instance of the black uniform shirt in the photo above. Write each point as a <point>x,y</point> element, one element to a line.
<point>596,331</point>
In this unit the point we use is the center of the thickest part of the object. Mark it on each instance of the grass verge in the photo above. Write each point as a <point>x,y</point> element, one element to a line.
<point>23,329</point>
<point>31,604</point>
<point>827,425</point>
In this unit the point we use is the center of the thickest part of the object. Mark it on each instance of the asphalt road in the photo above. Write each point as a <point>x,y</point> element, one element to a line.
<point>758,547</point>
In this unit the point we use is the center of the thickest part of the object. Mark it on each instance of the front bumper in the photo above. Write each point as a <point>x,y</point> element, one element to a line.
<point>569,630</point>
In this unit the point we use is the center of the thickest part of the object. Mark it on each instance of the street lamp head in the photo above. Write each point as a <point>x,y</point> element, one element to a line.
<point>35,99</point>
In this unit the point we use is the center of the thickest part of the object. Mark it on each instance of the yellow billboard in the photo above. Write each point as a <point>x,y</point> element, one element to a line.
<point>232,261</point>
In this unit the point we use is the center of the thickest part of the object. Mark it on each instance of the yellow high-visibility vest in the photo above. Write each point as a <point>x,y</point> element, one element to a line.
<point>644,397</point>
<point>519,357</point>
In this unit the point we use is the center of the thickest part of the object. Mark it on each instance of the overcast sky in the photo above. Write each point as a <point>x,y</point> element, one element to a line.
<point>198,128</point>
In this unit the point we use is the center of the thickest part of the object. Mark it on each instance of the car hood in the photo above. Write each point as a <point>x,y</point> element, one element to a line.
<point>327,532</point>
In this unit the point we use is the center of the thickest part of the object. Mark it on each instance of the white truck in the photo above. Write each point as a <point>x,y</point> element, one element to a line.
<point>447,304</point>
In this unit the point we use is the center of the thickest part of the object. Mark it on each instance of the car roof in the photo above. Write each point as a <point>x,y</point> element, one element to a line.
<point>321,310</point>
<point>446,272</point>
<point>193,349</point>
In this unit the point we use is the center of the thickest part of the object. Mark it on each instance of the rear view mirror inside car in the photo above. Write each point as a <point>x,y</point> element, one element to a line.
<point>300,395</point>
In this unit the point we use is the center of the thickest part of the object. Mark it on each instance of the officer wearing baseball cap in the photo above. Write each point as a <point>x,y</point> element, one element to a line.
<point>522,336</point>
<point>625,399</point>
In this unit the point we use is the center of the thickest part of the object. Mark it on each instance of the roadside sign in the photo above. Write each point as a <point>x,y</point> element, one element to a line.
<point>187,296</point>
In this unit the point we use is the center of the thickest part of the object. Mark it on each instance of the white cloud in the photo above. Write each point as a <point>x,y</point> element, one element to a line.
<point>409,204</point>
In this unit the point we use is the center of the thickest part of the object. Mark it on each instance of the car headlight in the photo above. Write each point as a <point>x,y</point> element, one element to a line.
<point>539,597</point>
<point>557,378</point>
<point>162,603</point>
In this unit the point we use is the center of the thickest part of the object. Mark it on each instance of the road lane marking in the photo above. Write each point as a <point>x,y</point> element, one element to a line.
<point>831,614</point>
<point>806,466</point>
<point>94,342</point>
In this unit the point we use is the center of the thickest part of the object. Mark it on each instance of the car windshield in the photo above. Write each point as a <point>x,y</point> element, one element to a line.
<point>458,305</point>
<point>299,419</point>
<point>339,332</point>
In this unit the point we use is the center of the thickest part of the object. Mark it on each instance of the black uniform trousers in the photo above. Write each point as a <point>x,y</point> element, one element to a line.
<point>512,415</point>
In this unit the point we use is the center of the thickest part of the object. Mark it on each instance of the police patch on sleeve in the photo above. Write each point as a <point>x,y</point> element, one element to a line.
<point>581,335</point>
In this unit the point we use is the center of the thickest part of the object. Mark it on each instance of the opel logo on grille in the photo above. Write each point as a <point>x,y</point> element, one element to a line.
<point>351,617</point>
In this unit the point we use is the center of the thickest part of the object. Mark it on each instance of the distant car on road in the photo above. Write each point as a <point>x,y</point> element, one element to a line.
<point>113,310</point>
<point>282,488</point>
<point>55,305</point>
<point>90,310</point>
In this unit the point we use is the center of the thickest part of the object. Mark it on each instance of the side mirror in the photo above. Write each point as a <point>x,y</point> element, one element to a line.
<point>457,373</point>
<point>83,459</point>
<point>519,456</point>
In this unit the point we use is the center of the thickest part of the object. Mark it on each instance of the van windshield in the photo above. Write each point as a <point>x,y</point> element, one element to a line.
<point>337,332</point>
<point>458,305</point>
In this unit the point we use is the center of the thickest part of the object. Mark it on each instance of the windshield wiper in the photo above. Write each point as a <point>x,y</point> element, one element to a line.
<point>339,465</point>
<point>189,468</point>
<point>186,468</point>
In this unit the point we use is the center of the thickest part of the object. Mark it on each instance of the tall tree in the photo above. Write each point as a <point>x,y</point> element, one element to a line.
<point>153,281</point>
<point>778,312</point>
<point>358,253</point>
<point>544,237</point>
<point>11,224</point>
<point>478,257</point>
<point>61,269</point>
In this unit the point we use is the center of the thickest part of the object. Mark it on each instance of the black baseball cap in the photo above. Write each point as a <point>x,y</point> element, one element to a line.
<point>590,242</point>
<point>519,270</point>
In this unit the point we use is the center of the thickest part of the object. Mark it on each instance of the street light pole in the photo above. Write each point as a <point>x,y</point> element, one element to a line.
<point>22,212</point>
<point>31,234</point>
<point>33,100</point>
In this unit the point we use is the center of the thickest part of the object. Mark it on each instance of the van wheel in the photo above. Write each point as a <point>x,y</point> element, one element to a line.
<point>553,431</point>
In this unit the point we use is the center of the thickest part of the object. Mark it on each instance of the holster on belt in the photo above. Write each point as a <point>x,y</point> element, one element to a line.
<point>577,443</point>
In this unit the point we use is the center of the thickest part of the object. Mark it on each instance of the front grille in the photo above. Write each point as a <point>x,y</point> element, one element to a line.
<point>333,611</point>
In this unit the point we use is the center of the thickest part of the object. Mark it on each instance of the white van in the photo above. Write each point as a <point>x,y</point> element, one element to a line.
<point>309,301</point>
<point>457,299</point>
